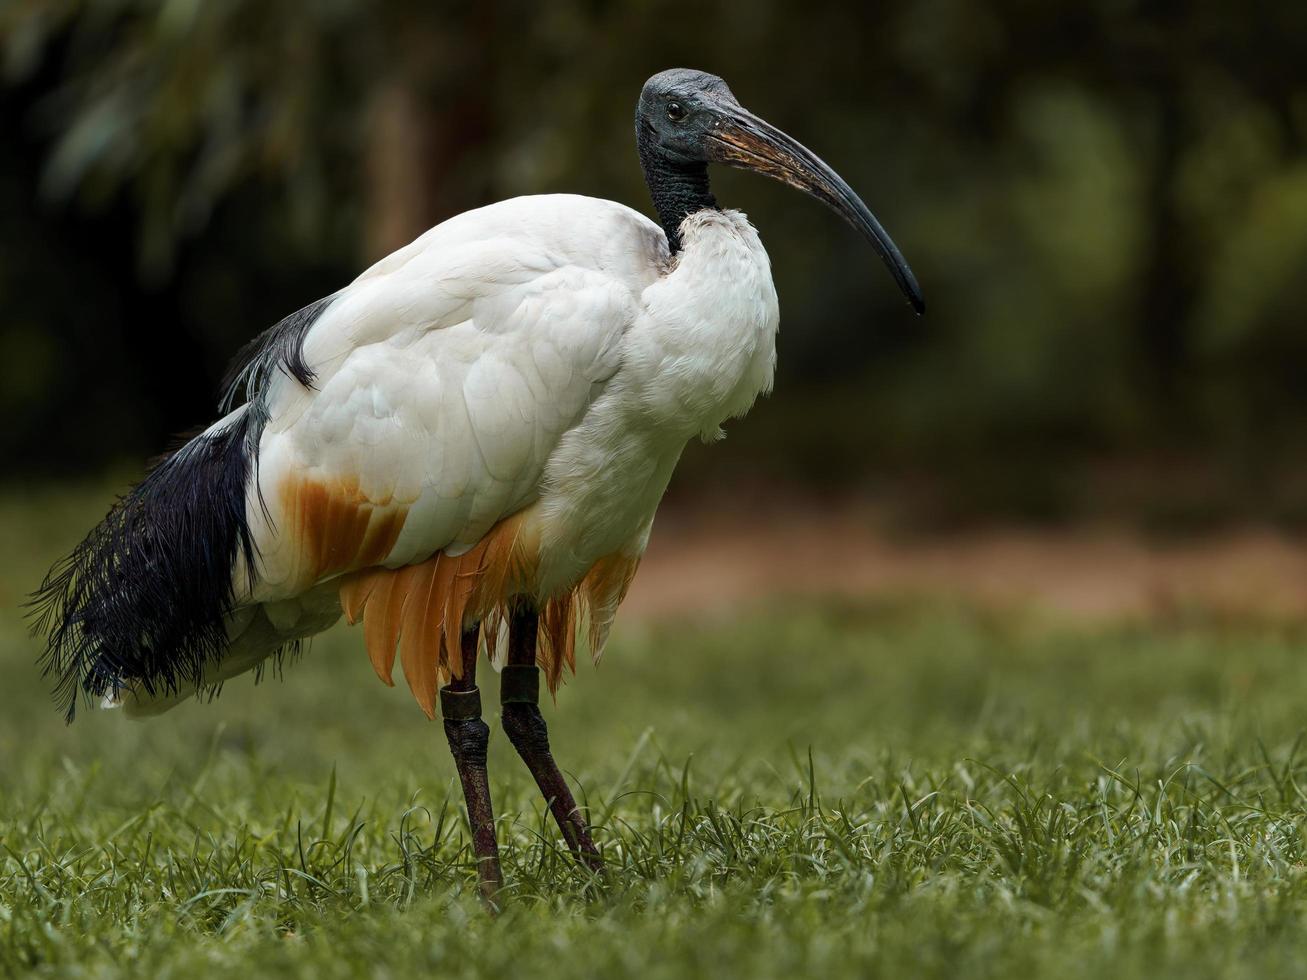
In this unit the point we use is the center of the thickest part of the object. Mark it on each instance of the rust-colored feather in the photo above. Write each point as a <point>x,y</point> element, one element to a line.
<point>381,624</point>
<point>382,532</point>
<point>337,529</point>
<point>602,591</point>
<point>556,640</point>
<point>419,612</point>
<point>450,657</point>
<point>419,644</point>
<point>354,593</point>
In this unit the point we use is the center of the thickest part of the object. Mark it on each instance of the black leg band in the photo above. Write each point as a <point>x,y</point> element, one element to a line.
<point>460,705</point>
<point>519,684</point>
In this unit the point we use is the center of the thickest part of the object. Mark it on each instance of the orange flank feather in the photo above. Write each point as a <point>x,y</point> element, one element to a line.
<point>419,647</point>
<point>421,610</point>
<point>603,589</point>
<point>418,612</point>
<point>556,639</point>
<point>381,633</point>
<point>339,528</point>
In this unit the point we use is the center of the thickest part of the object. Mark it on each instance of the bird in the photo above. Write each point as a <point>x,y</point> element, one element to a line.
<point>462,450</point>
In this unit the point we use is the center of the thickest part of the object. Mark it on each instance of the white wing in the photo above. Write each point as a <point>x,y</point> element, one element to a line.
<point>445,376</point>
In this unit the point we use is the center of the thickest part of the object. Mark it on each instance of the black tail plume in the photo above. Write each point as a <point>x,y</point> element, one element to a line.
<point>143,600</point>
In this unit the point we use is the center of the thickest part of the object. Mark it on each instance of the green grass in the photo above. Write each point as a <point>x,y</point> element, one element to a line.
<point>904,789</point>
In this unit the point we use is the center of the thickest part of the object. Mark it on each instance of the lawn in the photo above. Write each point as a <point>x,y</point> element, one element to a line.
<point>905,788</point>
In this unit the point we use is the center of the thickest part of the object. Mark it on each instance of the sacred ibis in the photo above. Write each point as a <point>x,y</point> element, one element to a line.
<point>463,450</point>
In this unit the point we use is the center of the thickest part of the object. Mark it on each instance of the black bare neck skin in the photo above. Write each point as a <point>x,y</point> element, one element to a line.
<point>678,189</point>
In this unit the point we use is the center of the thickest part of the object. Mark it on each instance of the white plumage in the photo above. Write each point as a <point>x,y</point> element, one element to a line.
<point>543,356</point>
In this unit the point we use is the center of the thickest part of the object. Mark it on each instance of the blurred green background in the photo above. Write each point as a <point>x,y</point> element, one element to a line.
<point>1106,203</point>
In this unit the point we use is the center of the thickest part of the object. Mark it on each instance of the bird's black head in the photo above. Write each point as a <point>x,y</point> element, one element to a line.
<point>686,119</point>
<point>678,111</point>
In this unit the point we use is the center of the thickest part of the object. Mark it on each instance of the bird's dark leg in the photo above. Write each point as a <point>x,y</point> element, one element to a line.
<point>460,706</point>
<point>519,692</point>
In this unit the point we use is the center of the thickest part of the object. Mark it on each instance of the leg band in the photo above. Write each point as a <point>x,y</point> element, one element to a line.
<point>460,705</point>
<point>519,684</point>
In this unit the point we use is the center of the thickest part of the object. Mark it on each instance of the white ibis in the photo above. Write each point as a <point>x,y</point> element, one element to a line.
<point>462,449</point>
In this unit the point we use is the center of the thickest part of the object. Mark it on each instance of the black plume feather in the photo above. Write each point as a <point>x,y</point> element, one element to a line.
<point>279,348</point>
<point>143,600</point>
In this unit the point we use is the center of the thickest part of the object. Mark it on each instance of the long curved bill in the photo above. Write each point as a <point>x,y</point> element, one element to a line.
<point>745,141</point>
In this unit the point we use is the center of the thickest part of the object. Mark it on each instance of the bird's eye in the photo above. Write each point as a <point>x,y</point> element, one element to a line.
<point>675,111</point>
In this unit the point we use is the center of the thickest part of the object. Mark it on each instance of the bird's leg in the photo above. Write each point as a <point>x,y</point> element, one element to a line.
<point>460,706</point>
<point>519,693</point>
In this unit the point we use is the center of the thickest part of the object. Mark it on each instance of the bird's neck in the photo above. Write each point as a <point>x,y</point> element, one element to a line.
<point>677,189</point>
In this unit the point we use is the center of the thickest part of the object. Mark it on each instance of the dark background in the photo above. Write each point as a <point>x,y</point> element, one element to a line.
<point>1105,202</point>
